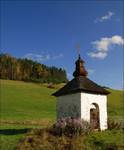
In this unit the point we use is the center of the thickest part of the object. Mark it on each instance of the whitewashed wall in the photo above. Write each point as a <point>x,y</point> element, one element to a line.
<point>101,100</point>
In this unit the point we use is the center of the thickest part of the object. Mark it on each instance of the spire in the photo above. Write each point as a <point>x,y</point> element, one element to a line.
<point>80,69</point>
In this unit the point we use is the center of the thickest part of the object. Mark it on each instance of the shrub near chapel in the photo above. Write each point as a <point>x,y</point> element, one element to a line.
<point>70,127</point>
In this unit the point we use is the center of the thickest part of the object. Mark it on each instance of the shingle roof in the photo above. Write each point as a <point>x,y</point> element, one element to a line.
<point>81,84</point>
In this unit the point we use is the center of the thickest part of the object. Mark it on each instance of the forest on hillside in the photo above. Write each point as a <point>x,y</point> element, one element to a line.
<point>28,70</point>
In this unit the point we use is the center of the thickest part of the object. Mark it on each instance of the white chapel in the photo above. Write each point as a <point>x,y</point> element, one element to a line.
<point>83,98</point>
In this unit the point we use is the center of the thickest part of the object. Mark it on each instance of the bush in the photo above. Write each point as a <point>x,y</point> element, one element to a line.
<point>70,127</point>
<point>45,139</point>
<point>41,139</point>
<point>72,134</point>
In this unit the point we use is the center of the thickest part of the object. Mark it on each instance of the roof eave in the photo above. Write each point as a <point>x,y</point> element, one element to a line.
<point>57,94</point>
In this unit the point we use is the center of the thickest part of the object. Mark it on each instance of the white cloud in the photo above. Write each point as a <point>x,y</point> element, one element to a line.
<point>106,17</point>
<point>103,45</point>
<point>99,55</point>
<point>39,57</point>
<point>117,40</point>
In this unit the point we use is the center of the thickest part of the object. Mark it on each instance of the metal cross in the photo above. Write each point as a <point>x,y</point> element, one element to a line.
<point>78,48</point>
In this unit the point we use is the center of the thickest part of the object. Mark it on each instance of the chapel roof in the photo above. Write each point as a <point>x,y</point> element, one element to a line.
<point>80,82</point>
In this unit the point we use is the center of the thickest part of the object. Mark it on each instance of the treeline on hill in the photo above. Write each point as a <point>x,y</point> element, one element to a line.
<point>29,70</point>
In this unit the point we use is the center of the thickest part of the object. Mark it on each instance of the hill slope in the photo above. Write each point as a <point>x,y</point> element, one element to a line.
<point>116,104</point>
<point>26,101</point>
<point>29,101</point>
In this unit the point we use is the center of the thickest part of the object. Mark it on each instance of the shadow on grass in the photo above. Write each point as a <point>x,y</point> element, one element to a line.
<point>14,131</point>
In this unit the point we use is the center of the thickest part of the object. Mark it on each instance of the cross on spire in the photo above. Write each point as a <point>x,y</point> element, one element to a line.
<point>78,49</point>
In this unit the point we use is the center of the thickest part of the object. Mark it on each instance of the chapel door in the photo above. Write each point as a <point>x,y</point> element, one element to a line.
<point>94,118</point>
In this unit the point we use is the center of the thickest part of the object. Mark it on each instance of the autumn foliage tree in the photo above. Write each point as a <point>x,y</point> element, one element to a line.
<point>29,70</point>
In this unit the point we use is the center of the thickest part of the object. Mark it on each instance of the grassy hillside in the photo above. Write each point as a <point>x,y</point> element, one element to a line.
<point>26,101</point>
<point>29,101</point>
<point>116,104</point>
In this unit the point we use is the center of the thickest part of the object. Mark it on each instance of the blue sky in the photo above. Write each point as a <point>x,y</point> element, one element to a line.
<point>49,32</point>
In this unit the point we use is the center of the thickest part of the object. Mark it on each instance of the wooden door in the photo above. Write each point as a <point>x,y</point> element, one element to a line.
<point>94,118</point>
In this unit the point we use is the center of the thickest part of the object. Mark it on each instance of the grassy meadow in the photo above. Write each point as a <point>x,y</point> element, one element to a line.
<point>26,101</point>
<point>28,105</point>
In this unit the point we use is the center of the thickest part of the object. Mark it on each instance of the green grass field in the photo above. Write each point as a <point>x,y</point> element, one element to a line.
<point>28,101</point>
<point>25,105</point>
<point>116,105</point>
